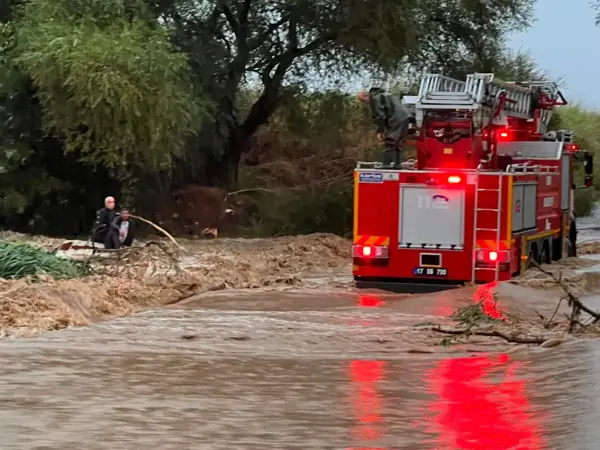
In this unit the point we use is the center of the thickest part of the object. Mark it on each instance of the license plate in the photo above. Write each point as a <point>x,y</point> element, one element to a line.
<point>430,272</point>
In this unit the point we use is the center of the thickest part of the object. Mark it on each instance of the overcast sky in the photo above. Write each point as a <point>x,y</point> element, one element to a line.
<point>563,42</point>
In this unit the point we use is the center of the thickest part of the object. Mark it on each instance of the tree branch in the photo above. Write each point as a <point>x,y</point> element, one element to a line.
<point>269,98</point>
<point>574,302</point>
<point>257,41</point>
<point>231,20</point>
<point>243,14</point>
<point>493,333</point>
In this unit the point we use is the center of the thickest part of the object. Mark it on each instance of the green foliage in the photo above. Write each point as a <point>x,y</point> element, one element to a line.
<point>585,125</point>
<point>584,201</point>
<point>22,260</point>
<point>110,82</point>
<point>305,211</point>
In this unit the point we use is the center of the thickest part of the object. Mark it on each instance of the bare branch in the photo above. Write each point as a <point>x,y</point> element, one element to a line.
<point>243,14</point>
<point>231,20</point>
<point>493,333</point>
<point>258,40</point>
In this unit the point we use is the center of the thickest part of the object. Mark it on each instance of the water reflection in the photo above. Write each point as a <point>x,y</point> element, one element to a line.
<point>367,403</point>
<point>480,404</point>
<point>485,295</point>
<point>370,301</point>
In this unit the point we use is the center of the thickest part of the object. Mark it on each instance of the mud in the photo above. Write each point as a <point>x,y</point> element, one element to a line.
<point>153,276</point>
<point>149,277</point>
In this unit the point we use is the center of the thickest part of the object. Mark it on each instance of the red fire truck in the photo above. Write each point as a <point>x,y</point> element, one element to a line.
<point>490,189</point>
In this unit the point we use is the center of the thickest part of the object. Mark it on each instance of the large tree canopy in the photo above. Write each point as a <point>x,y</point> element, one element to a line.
<point>270,43</point>
<point>109,80</point>
<point>126,84</point>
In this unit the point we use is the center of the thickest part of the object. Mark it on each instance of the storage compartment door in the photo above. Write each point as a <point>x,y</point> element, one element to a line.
<point>431,217</point>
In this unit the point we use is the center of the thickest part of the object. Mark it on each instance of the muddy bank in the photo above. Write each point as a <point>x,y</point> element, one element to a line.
<point>149,277</point>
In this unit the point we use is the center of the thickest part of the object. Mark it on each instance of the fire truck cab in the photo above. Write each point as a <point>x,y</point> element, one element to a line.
<point>491,188</point>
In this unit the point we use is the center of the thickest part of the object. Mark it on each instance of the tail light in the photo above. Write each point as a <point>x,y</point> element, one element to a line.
<point>493,256</point>
<point>370,251</point>
<point>454,179</point>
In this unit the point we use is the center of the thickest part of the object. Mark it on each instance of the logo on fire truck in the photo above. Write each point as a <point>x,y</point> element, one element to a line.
<point>370,177</point>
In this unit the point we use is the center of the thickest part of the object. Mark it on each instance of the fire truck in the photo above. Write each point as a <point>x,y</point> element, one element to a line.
<point>490,189</point>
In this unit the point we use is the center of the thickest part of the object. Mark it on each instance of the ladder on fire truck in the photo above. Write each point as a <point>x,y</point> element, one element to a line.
<point>477,230</point>
<point>482,94</point>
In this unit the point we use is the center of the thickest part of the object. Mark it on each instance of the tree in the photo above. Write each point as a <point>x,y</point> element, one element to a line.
<point>109,81</point>
<point>271,44</point>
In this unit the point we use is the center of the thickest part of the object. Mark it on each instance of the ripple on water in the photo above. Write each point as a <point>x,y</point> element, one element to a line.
<point>304,378</point>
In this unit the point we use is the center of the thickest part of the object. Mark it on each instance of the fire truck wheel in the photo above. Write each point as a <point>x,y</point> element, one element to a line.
<point>533,254</point>
<point>556,249</point>
<point>545,253</point>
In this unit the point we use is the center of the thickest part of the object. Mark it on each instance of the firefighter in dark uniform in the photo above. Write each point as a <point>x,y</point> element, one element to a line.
<point>573,227</point>
<point>392,120</point>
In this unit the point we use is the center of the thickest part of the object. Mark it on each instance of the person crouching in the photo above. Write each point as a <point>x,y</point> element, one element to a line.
<point>121,231</point>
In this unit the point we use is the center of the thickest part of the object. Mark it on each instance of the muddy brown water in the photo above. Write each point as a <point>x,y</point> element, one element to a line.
<point>312,369</point>
<point>320,368</point>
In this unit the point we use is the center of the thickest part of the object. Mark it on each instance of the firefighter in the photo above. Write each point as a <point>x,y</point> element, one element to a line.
<point>392,120</point>
<point>573,226</point>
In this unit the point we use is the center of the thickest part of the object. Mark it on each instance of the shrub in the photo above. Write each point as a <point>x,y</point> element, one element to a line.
<point>23,260</point>
<point>304,211</point>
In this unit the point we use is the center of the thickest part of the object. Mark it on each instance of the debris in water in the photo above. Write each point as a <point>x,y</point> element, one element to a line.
<point>190,337</point>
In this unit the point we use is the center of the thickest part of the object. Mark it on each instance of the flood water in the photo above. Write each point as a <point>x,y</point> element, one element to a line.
<point>291,370</point>
<point>313,369</point>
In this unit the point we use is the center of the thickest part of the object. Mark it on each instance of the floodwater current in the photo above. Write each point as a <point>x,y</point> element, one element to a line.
<point>289,370</point>
<point>312,369</point>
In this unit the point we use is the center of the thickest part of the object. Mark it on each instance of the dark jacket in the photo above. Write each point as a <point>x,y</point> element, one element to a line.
<point>104,218</point>
<point>116,227</point>
<point>389,113</point>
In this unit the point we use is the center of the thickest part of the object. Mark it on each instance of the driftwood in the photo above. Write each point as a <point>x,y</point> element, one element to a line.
<point>490,333</point>
<point>576,305</point>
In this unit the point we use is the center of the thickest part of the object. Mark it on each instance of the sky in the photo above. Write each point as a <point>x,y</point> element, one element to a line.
<point>563,41</point>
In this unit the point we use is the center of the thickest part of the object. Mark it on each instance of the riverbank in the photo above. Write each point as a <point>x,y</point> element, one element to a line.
<point>149,278</point>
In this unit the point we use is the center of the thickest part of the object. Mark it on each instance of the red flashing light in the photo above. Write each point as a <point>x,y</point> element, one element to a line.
<point>504,135</point>
<point>493,256</point>
<point>367,251</point>
<point>454,179</point>
<point>572,147</point>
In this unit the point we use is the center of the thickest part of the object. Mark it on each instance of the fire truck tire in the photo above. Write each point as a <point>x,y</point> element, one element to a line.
<point>533,253</point>
<point>545,255</point>
<point>557,249</point>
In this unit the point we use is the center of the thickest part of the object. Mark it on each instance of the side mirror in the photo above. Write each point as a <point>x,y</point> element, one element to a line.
<point>588,167</point>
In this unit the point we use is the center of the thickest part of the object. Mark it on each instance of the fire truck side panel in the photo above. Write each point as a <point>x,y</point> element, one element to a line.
<point>374,216</point>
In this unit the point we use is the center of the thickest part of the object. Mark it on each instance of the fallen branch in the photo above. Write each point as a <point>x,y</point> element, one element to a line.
<point>162,230</point>
<point>573,301</point>
<point>493,333</point>
<point>549,321</point>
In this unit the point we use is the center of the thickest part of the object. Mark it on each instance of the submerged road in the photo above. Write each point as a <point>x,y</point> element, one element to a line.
<point>291,370</point>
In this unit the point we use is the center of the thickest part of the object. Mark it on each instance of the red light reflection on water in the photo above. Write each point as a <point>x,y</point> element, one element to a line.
<point>366,301</point>
<point>445,304</point>
<point>485,295</point>
<point>370,301</point>
<point>366,401</point>
<point>473,413</point>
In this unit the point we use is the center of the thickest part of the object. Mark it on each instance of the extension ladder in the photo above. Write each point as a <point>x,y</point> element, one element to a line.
<point>479,92</point>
